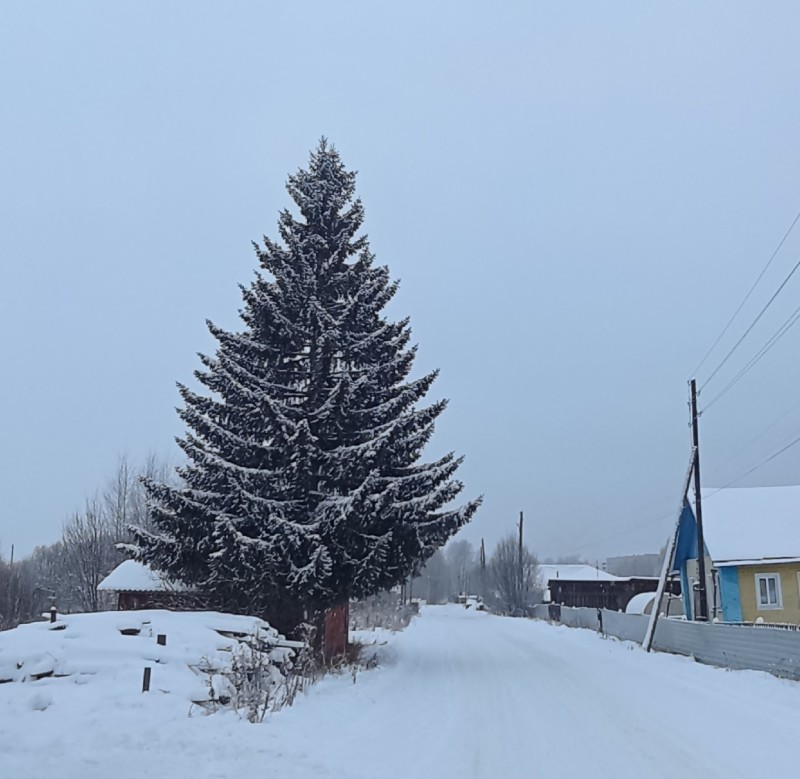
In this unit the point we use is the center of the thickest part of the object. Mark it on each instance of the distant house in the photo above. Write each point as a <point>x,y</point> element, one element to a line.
<point>587,586</point>
<point>138,586</point>
<point>574,572</point>
<point>546,572</point>
<point>752,545</point>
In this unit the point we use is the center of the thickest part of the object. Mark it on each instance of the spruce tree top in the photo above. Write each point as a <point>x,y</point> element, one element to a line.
<point>304,484</point>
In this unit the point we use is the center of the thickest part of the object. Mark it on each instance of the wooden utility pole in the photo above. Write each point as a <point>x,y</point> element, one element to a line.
<point>482,565</point>
<point>521,569</point>
<point>698,504</point>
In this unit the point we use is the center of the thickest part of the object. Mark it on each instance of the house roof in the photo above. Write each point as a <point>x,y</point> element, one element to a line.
<point>573,573</point>
<point>132,576</point>
<point>752,524</point>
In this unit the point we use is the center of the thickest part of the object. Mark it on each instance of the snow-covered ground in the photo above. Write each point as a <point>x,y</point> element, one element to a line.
<point>458,694</point>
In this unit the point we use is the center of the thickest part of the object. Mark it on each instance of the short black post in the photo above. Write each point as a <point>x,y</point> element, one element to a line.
<point>161,638</point>
<point>53,613</point>
<point>146,679</point>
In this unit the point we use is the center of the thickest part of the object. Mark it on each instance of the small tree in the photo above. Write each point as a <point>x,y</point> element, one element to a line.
<point>89,553</point>
<point>124,500</point>
<point>512,574</point>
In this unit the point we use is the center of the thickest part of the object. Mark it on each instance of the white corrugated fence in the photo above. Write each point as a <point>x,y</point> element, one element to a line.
<point>774,649</point>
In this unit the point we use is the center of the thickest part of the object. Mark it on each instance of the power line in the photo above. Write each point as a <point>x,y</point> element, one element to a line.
<point>652,504</point>
<point>756,467</point>
<point>782,330</point>
<point>755,438</point>
<point>752,325</point>
<point>747,296</point>
<point>628,530</point>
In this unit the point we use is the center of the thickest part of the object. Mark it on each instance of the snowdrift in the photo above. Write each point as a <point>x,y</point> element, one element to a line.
<point>109,651</point>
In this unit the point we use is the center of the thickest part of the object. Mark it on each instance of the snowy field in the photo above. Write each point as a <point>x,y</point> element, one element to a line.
<point>458,694</point>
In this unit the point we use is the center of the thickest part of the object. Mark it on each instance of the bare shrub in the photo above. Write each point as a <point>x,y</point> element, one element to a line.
<point>512,573</point>
<point>259,677</point>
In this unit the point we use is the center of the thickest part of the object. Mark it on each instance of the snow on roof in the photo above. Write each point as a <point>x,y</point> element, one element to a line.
<point>752,524</point>
<point>755,561</point>
<point>132,576</point>
<point>580,572</point>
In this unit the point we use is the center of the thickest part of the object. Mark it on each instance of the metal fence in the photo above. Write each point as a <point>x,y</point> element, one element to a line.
<point>580,617</point>
<point>628,627</point>
<point>740,646</point>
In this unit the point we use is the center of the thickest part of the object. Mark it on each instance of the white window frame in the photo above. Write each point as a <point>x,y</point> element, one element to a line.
<point>769,606</point>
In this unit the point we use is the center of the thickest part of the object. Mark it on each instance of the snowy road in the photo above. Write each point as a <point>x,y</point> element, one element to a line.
<point>458,694</point>
<point>470,695</point>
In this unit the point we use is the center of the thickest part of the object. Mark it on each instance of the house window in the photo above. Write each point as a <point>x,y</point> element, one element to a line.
<point>768,591</point>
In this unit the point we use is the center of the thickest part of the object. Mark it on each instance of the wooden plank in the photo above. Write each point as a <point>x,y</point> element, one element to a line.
<point>668,559</point>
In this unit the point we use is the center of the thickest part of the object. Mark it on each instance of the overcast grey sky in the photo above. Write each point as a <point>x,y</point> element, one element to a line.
<point>576,197</point>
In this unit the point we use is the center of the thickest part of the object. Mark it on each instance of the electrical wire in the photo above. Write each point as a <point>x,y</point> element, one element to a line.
<point>625,532</point>
<point>755,438</point>
<point>755,467</point>
<point>782,330</point>
<point>752,325</point>
<point>747,296</point>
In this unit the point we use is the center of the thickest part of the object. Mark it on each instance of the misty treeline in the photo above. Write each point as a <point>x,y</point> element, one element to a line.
<point>506,582</point>
<point>67,572</point>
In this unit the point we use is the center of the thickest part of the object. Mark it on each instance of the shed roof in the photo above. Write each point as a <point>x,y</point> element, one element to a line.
<point>752,524</point>
<point>581,572</point>
<point>132,576</point>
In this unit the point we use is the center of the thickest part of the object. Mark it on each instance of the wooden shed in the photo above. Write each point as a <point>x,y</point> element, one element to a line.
<point>137,586</point>
<point>612,594</point>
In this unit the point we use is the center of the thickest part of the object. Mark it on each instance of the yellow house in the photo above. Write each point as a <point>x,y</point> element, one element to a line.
<point>770,591</point>
<point>752,537</point>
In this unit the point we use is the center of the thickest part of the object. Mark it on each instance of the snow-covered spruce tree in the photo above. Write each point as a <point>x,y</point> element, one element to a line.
<point>304,485</point>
